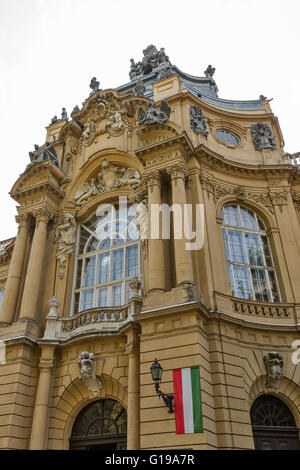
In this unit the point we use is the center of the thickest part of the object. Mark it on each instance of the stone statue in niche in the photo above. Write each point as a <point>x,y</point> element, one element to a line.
<point>198,121</point>
<point>142,219</point>
<point>65,238</point>
<point>108,177</point>
<point>154,115</point>
<point>274,365</point>
<point>86,363</point>
<point>43,154</point>
<point>262,136</point>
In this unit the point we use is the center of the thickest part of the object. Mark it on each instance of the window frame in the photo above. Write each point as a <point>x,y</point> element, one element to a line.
<point>264,267</point>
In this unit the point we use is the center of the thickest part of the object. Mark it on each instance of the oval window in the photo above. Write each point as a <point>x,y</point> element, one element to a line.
<point>227,137</point>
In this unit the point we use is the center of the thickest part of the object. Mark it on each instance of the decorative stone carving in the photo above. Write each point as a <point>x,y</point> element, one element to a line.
<point>135,286</point>
<point>209,72</point>
<point>178,170</point>
<point>107,178</point>
<point>94,85</point>
<point>139,89</point>
<point>86,363</point>
<point>42,154</point>
<point>44,214</point>
<point>274,365</point>
<point>54,119</point>
<point>117,122</point>
<point>262,98</point>
<point>198,121</point>
<point>65,238</point>
<point>154,115</point>
<point>166,73</point>
<point>152,59</point>
<point>89,132</point>
<point>142,219</point>
<point>262,136</point>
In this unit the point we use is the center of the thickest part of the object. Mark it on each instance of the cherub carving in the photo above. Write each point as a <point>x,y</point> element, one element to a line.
<point>154,115</point>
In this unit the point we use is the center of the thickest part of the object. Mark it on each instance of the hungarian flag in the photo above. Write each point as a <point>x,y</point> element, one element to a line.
<point>187,400</point>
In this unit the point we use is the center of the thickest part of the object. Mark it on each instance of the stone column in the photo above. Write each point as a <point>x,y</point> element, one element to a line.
<point>157,273</point>
<point>39,428</point>
<point>12,287</point>
<point>35,266</point>
<point>133,408</point>
<point>183,258</point>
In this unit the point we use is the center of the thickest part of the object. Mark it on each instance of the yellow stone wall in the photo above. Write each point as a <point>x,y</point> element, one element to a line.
<point>226,337</point>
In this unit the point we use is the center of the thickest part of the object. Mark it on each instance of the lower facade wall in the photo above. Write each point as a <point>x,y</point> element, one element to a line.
<point>232,374</point>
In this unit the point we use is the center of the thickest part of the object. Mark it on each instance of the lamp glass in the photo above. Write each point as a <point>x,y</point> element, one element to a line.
<point>156,371</point>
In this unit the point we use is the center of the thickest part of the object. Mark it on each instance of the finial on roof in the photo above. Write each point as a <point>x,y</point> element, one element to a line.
<point>209,72</point>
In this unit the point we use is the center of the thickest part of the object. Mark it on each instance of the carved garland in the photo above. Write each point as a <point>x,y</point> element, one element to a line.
<point>268,200</point>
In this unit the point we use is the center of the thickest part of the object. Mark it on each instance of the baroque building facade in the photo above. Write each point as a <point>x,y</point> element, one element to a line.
<point>84,314</point>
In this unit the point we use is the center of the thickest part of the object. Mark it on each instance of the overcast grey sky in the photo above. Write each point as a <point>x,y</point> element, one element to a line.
<point>50,49</point>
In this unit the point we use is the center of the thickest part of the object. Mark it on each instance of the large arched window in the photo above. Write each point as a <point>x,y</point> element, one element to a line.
<point>248,254</point>
<point>108,258</point>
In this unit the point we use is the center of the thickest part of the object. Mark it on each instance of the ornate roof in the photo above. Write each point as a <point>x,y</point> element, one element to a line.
<point>155,65</point>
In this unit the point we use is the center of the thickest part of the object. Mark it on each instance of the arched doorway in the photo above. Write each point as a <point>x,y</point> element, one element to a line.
<point>101,425</point>
<point>273,425</point>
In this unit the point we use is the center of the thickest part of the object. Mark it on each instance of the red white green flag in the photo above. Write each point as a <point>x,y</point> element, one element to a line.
<point>187,400</point>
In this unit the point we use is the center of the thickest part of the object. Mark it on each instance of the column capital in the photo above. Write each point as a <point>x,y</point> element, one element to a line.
<point>179,170</point>
<point>24,220</point>
<point>152,178</point>
<point>44,214</point>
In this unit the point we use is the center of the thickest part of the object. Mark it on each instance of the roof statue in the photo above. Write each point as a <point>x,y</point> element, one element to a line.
<point>64,114</point>
<point>262,136</point>
<point>42,154</point>
<point>209,72</point>
<point>94,85</point>
<point>153,59</point>
<point>154,115</point>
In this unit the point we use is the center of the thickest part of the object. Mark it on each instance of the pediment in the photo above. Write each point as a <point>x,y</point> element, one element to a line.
<point>154,134</point>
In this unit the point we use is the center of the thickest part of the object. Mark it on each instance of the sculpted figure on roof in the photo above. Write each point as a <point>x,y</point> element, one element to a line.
<point>154,115</point>
<point>262,136</point>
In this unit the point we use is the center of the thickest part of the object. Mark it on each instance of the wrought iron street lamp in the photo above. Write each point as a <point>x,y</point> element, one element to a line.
<point>156,372</point>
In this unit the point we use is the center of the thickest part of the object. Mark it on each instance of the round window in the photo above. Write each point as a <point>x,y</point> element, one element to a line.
<point>227,137</point>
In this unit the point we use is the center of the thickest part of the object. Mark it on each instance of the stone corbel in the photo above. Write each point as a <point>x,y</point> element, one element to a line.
<point>87,367</point>
<point>274,365</point>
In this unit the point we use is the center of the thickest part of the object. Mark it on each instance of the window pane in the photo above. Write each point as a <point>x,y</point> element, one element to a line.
<point>267,252</point>
<point>117,295</point>
<point>254,249</point>
<point>225,245</point>
<point>242,282</point>
<point>92,244</point>
<point>117,268</point>
<point>87,298</point>
<point>231,215</point>
<point>88,277</point>
<point>132,261</point>
<point>236,246</point>
<point>104,244</point>
<point>248,218</point>
<point>103,268</point>
<point>274,289</point>
<point>102,300</point>
<point>231,285</point>
<point>260,285</point>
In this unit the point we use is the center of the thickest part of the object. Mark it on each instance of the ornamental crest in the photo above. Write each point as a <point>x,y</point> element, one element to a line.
<point>108,177</point>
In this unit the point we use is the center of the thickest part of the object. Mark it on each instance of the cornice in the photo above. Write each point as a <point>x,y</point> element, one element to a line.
<point>42,188</point>
<point>205,154</point>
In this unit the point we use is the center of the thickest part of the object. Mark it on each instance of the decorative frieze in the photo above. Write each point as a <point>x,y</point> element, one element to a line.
<point>268,200</point>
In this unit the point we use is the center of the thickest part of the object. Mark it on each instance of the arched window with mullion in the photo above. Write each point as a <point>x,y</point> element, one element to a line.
<point>250,266</point>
